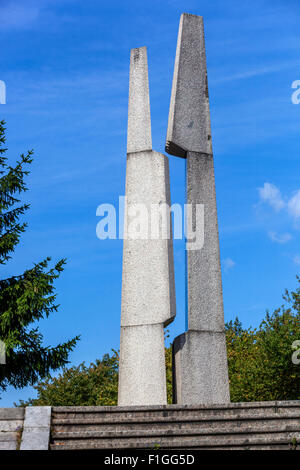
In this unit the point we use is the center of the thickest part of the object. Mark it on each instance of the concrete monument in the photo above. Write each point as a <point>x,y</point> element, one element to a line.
<point>199,354</point>
<point>148,291</point>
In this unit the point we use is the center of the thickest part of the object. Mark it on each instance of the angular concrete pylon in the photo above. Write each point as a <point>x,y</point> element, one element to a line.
<point>199,355</point>
<point>148,291</point>
<point>139,120</point>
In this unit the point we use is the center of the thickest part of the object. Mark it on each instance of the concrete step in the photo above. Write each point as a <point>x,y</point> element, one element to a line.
<point>111,422</point>
<point>119,414</point>
<point>264,425</point>
<point>179,442</point>
<point>156,432</point>
<point>11,425</point>
<point>204,427</point>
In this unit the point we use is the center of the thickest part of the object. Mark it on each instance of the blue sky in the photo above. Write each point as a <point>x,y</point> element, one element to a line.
<point>66,64</point>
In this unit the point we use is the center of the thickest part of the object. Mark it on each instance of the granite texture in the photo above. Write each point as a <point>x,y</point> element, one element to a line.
<point>139,121</point>
<point>142,373</point>
<point>200,360</point>
<point>255,408</point>
<point>11,425</point>
<point>36,430</point>
<point>234,426</point>
<point>148,290</point>
<point>200,364</point>
<point>205,300</point>
<point>189,120</point>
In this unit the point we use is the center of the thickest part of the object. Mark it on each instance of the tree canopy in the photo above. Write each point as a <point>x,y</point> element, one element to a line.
<point>260,361</point>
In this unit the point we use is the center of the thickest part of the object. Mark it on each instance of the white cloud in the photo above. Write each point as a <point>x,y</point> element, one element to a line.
<point>228,263</point>
<point>280,238</point>
<point>271,194</point>
<point>296,259</point>
<point>294,205</point>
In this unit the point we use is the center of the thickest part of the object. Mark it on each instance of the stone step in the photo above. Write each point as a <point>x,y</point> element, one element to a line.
<point>7,414</point>
<point>244,441</point>
<point>126,409</point>
<point>113,421</point>
<point>175,431</point>
<point>265,425</point>
<point>11,424</point>
<point>9,445</point>
<point>117,414</point>
<point>9,436</point>
<point>204,427</point>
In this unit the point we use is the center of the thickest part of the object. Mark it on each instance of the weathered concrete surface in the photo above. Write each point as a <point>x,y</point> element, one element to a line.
<point>11,414</point>
<point>200,361</point>
<point>148,291</point>
<point>8,445</point>
<point>11,425</point>
<point>205,301</point>
<point>235,426</point>
<point>142,366</point>
<point>139,122</point>
<point>200,364</point>
<point>36,430</point>
<point>189,120</point>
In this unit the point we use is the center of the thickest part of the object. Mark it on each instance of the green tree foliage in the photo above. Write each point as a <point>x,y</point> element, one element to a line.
<point>260,366</point>
<point>26,298</point>
<point>169,374</point>
<point>95,385</point>
<point>260,361</point>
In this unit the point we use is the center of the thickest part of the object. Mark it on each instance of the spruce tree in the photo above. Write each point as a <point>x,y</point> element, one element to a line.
<point>28,297</point>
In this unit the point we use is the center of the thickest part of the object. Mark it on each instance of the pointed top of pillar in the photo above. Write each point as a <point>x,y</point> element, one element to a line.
<point>139,120</point>
<point>189,120</point>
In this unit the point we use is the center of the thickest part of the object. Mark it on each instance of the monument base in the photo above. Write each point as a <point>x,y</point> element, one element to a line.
<point>235,426</point>
<point>265,425</point>
<point>142,373</point>
<point>200,368</point>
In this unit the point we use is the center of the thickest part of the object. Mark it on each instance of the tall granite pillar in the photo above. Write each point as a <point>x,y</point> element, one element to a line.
<point>199,354</point>
<point>148,292</point>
